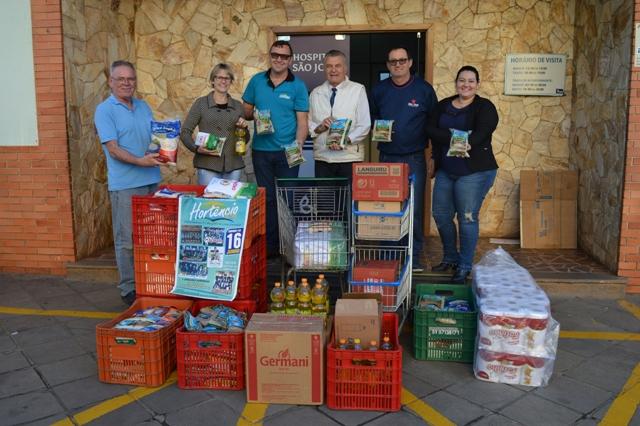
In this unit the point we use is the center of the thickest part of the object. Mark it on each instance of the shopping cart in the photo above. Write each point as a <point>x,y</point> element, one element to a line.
<point>314,223</point>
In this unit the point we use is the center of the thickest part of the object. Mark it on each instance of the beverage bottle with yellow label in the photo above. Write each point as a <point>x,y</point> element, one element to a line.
<point>304,298</point>
<point>291,300</point>
<point>277,298</point>
<point>241,143</point>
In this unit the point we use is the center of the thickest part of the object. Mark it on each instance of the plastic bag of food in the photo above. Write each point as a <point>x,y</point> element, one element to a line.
<point>459,144</point>
<point>165,136</point>
<point>264,125</point>
<point>294,154</point>
<point>227,188</point>
<point>382,130</point>
<point>211,142</point>
<point>339,132</point>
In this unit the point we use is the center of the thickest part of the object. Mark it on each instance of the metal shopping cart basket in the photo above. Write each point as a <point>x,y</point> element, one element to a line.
<point>314,225</point>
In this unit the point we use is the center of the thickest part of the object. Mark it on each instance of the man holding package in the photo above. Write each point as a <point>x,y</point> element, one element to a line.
<point>407,100</point>
<point>123,124</point>
<point>279,104</point>
<point>338,119</point>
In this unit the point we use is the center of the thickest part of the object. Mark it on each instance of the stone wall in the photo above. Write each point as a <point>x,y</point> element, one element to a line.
<point>178,41</point>
<point>96,32</point>
<point>598,137</point>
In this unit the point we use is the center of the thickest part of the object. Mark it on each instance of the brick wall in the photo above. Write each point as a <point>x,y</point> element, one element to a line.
<point>629,260</point>
<point>36,230</point>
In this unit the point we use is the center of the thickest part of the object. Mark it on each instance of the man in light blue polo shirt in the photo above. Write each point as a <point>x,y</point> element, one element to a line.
<point>124,128</point>
<point>287,99</point>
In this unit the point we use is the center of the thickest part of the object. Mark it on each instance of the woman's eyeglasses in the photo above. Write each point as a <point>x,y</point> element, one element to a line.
<point>395,62</point>
<point>221,78</point>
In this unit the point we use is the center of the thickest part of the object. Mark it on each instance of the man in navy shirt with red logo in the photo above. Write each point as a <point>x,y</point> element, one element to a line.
<point>408,100</point>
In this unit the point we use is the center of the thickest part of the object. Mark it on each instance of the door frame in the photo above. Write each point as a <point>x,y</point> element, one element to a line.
<point>385,28</point>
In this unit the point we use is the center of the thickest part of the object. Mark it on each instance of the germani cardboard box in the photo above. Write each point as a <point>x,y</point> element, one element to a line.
<point>285,359</point>
<point>548,209</point>
<point>380,181</point>
<point>358,316</point>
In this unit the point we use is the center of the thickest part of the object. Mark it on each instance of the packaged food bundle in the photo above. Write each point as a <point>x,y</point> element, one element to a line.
<point>434,302</point>
<point>264,125</point>
<point>513,369</point>
<point>459,143</point>
<point>227,188</point>
<point>294,154</point>
<point>320,244</point>
<point>150,319</point>
<point>210,142</point>
<point>382,130</point>
<point>339,132</point>
<point>216,319</point>
<point>165,136</point>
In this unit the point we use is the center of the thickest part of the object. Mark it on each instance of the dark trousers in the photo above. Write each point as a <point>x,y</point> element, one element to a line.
<point>417,167</point>
<point>331,170</point>
<point>269,166</point>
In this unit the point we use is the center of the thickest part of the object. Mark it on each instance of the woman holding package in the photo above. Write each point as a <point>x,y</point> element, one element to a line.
<point>465,169</point>
<point>219,120</point>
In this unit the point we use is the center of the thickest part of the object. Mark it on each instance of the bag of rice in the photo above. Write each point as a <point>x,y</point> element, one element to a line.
<point>338,132</point>
<point>459,144</point>
<point>382,130</point>
<point>264,125</point>
<point>294,154</point>
<point>164,140</point>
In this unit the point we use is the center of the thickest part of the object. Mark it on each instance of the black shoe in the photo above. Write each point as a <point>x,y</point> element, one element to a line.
<point>444,267</point>
<point>129,298</point>
<point>460,277</point>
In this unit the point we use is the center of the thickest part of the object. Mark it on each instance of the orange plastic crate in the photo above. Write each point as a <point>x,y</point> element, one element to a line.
<point>155,219</point>
<point>366,380</point>
<point>138,358</point>
<point>212,360</point>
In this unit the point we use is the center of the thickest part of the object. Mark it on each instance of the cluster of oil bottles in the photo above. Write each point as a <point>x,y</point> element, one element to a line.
<point>301,299</point>
<point>351,343</point>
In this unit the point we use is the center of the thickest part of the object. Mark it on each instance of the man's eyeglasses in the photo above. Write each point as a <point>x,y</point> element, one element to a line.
<point>222,78</point>
<point>279,56</point>
<point>395,62</point>
<point>122,80</point>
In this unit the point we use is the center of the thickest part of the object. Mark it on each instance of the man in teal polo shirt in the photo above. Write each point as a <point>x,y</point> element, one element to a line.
<point>287,99</point>
<point>124,128</point>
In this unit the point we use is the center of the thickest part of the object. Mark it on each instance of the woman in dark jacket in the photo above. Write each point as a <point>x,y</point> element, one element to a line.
<point>463,176</point>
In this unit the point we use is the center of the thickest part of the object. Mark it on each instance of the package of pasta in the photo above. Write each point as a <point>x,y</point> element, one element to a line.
<point>459,144</point>
<point>382,130</point>
<point>264,125</point>
<point>165,136</point>
<point>339,132</point>
<point>294,154</point>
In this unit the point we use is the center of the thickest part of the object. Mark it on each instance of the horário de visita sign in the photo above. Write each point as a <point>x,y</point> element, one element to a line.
<point>532,74</point>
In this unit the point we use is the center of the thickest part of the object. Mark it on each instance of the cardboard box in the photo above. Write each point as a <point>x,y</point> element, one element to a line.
<point>379,227</point>
<point>358,316</point>
<point>380,181</point>
<point>548,209</point>
<point>380,206</point>
<point>285,359</point>
<point>376,271</point>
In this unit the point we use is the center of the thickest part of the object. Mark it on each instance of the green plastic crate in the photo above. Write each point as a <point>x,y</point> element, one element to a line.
<point>444,336</point>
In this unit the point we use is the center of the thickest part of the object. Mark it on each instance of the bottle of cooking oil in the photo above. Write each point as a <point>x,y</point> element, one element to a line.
<point>318,300</point>
<point>241,144</point>
<point>291,298</point>
<point>277,298</point>
<point>386,343</point>
<point>325,283</point>
<point>304,298</point>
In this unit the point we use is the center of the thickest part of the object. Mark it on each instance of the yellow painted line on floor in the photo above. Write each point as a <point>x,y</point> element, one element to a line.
<point>89,415</point>
<point>599,335</point>
<point>57,313</point>
<point>622,409</point>
<point>424,410</point>
<point>630,307</point>
<point>252,414</point>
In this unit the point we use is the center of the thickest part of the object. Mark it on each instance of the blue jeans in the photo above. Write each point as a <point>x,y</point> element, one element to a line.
<point>417,167</point>
<point>123,234</point>
<point>269,166</point>
<point>460,196</point>
<point>205,176</point>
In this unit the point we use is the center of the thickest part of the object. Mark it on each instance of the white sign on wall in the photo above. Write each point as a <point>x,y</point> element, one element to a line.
<point>636,49</point>
<point>532,74</point>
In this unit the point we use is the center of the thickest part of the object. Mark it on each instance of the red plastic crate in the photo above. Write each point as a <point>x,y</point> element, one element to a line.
<point>212,360</point>
<point>261,296</point>
<point>257,217</point>
<point>366,380</point>
<point>253,265</point>
<point>138,358</point>
<point>155,219</point>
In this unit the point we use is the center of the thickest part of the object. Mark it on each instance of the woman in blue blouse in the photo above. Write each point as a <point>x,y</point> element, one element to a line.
<point>462,180</point>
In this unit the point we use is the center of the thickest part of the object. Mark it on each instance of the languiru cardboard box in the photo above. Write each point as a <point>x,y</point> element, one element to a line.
<point>358,316</point>
<point>548,209</point>
<point>380,181</point>
<point>285,359</point>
